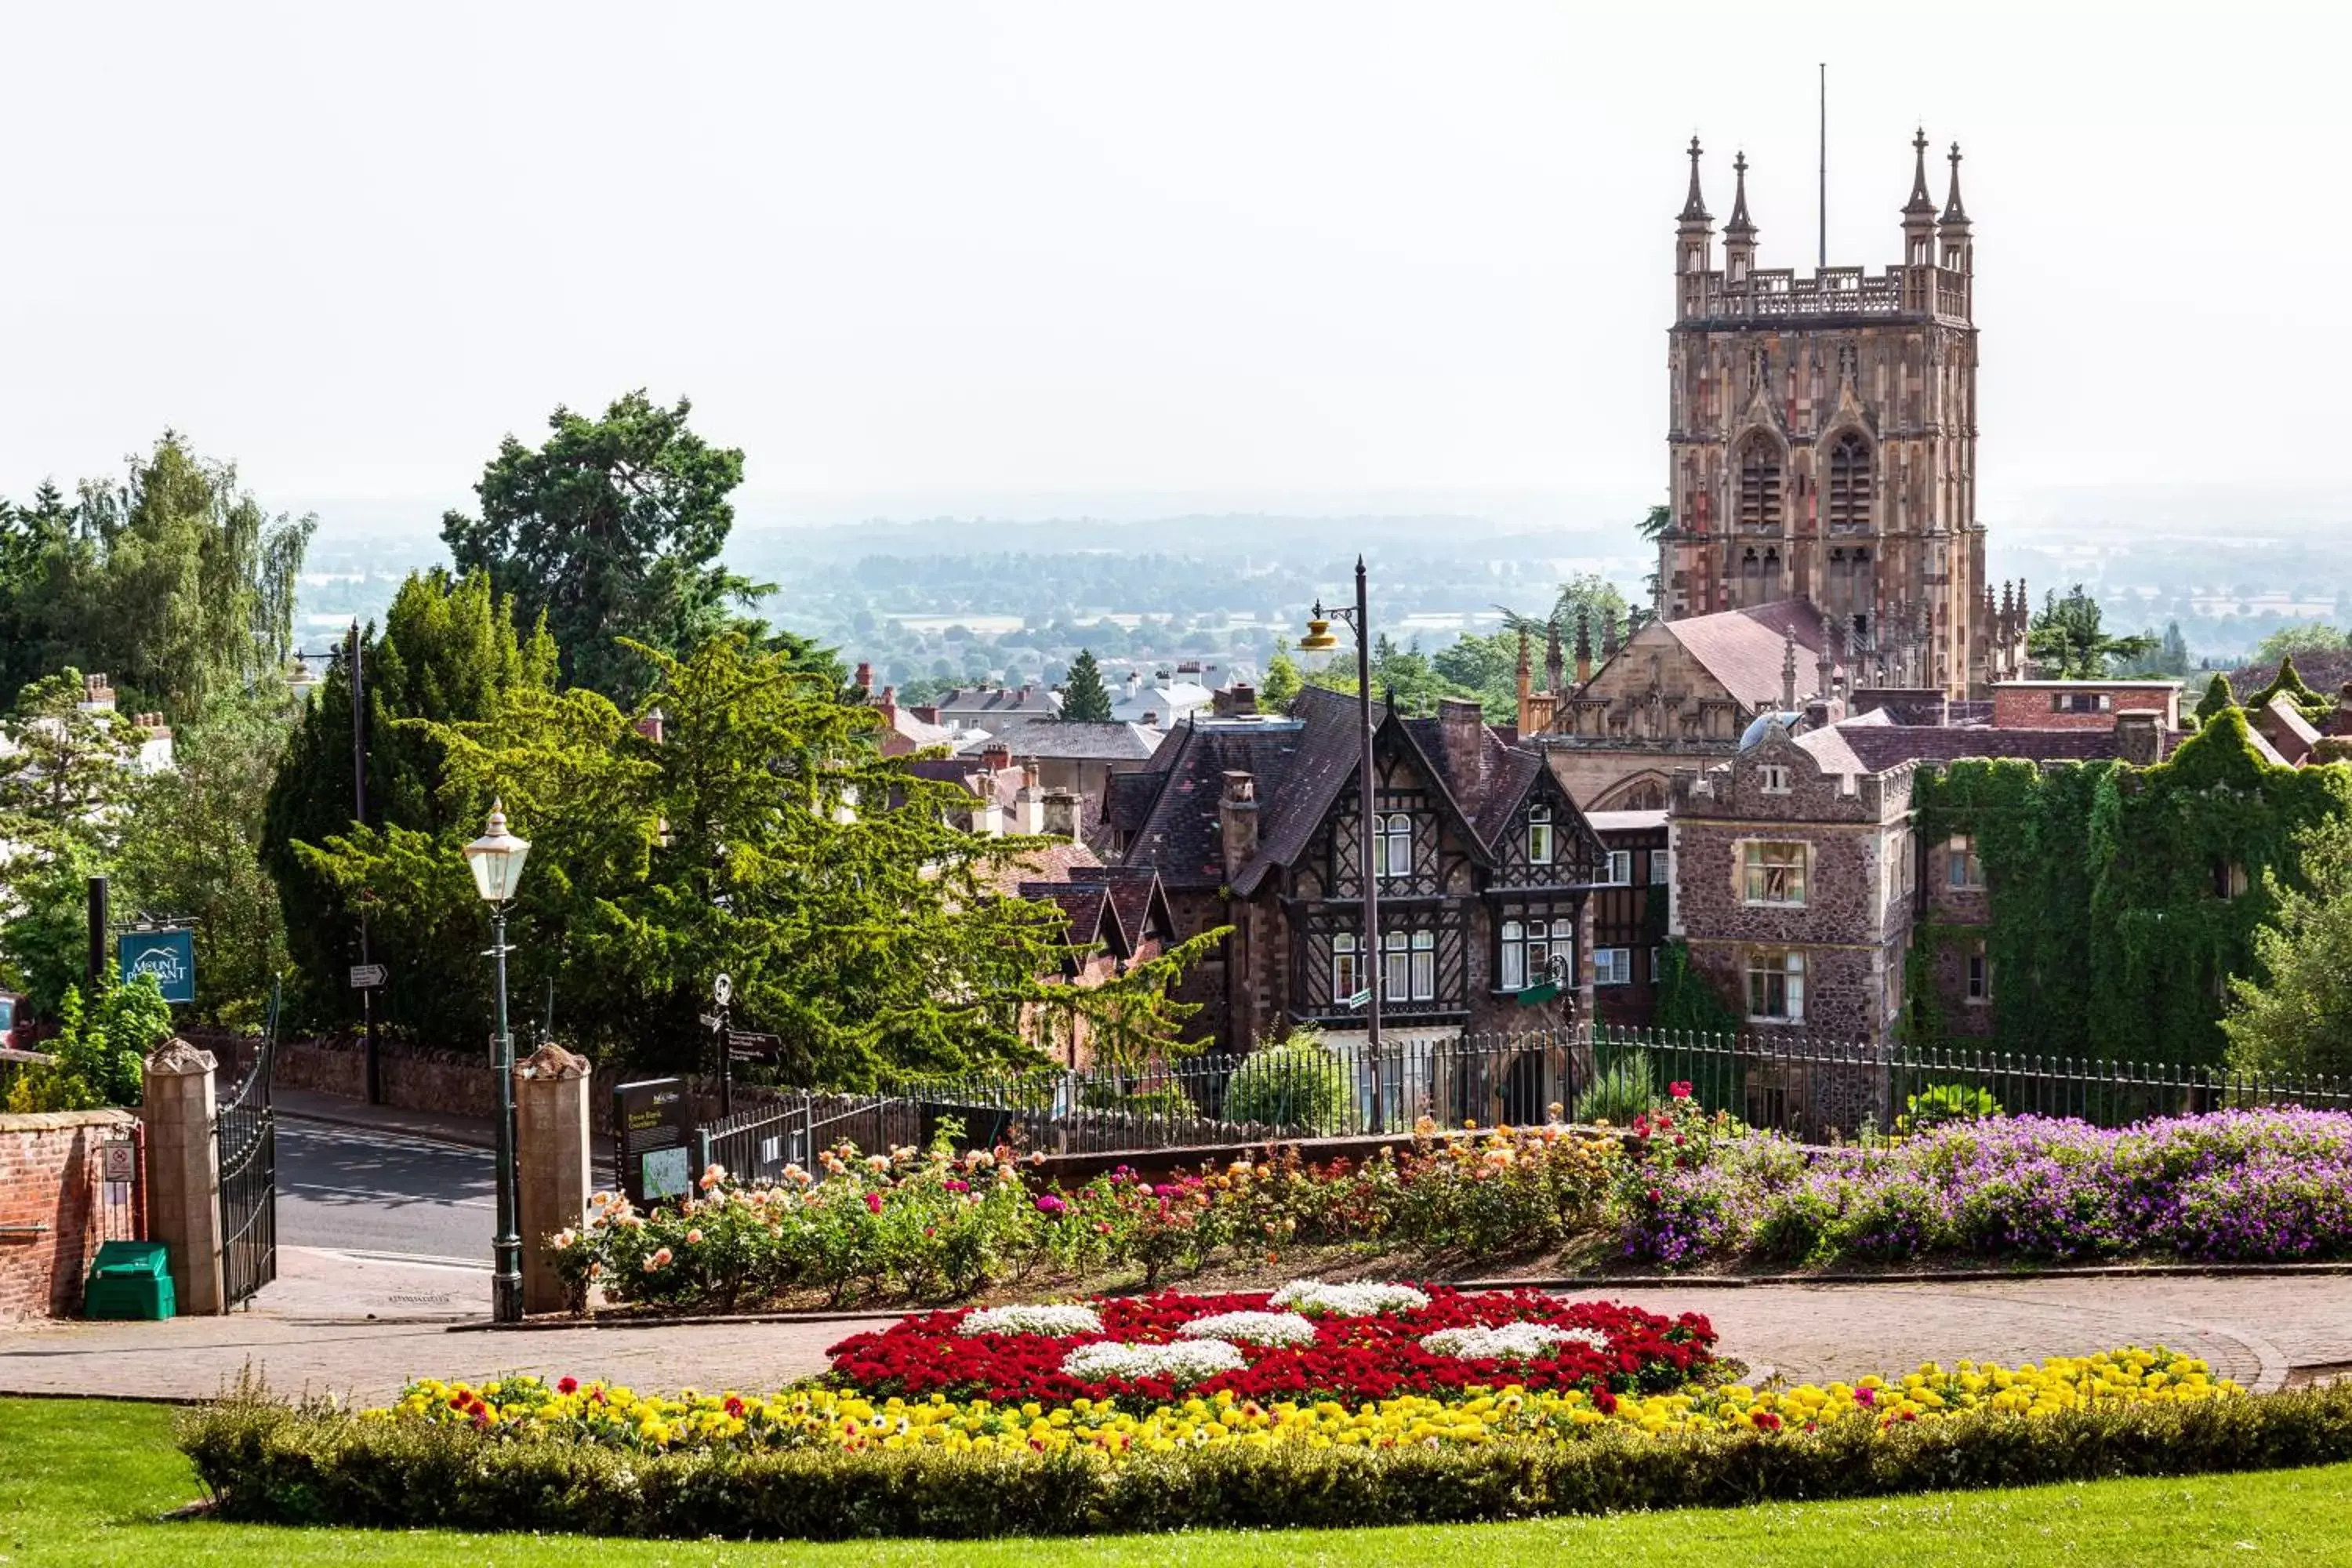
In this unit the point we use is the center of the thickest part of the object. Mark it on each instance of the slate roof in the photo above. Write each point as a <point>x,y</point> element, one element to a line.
<point>1084,907</point>
<point>1177,831</point>
<point>1067,740</point>
<point>1127,800</point>
<point>995,701</point>
<point>1053,862</point>
<point>966,774</point>
<point>1136,893</point>
<point>1742,650</point>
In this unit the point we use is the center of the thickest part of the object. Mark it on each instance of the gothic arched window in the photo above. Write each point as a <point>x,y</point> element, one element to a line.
<point>1761,479</point>
<point>1847,504</point>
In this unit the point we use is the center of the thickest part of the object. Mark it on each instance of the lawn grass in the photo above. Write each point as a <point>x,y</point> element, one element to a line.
<point>84,1482</point>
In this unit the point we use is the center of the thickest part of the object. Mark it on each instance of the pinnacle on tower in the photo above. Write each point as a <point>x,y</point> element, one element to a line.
<point>1552,662</point>
<point>1695,208</point>
<point>1787,666</point>
<point>1921,204</point>
<point>1740,224</point>
<point>1608,633</point>
<point>1953,212</point>
<point>1583,644</point>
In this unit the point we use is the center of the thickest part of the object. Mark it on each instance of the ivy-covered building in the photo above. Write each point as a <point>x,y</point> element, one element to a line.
<point>2080,891</point>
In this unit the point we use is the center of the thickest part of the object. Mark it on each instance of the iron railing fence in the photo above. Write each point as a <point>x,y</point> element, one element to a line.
<point>1820,1090</point>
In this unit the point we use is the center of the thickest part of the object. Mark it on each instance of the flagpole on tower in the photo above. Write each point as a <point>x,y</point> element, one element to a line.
<point>1823,204</point>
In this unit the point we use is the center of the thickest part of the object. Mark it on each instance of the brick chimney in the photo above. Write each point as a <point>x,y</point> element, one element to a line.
<point>928,712</point>
<point>1237,699</point>
<point>864,678</point>
<point>1462,726</point>
<point>1237,822</point>
<point>96,696</point>
<point>1029,805</point>
<point>996,756</point>
<point>2140,737</point>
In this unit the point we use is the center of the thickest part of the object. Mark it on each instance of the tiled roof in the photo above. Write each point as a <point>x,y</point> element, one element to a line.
<point>1054,862</point>
<point>1136,894</point>
<point>1081,905</point>
<point>1127,800</point>
<point>1179,834</point>
<point>2287,730</point>
<point>1067,740</point>
<point>967,774</point>
<point>902,721</point>
<point>1743,649</point>
<point>994,700</point>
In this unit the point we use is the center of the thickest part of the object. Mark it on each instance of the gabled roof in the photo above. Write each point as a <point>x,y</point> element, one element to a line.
<point>1177,832</point>
<point>994,701</point>
<point>1067,740</point>
<point>1087,909</point>
<point>1136,893</point>
<point>1744,649</point>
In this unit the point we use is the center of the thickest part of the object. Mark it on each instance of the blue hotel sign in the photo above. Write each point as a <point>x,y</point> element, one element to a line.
<point>169,955</point>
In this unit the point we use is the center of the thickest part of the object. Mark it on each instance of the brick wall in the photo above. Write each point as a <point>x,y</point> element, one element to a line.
<point>51,1219</point>
<point>2042,706</point>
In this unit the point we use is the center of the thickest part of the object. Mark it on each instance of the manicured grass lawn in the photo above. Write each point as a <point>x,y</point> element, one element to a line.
<point>83,1483</point>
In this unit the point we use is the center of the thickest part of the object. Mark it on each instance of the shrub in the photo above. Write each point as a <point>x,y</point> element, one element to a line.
<point>1620,1091</point>
<point>1291,1082</point>
<point>1943,1102</point>
<point>96,1056</point>
<point>313,1465</point>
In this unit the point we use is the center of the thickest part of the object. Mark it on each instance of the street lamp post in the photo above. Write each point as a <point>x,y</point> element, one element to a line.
<point>1318,639</point>
<point>496,860</point>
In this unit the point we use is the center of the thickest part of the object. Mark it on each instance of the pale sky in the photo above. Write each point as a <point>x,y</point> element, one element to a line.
<point>1009,257</point>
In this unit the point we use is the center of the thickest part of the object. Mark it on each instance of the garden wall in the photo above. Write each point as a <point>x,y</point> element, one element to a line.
<point>51,1216</point>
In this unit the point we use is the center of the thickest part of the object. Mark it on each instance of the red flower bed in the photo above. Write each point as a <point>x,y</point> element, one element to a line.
<point>1352,1359</point>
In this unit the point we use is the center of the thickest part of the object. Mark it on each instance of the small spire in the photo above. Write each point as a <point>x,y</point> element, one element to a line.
<point>1695,208</point>
<point>1739,222</point>
<point>1953,212</point>
<point>1583,634</point>
<point>1553,664</point>
<point>1525,666</point>
<point>1921,205</point>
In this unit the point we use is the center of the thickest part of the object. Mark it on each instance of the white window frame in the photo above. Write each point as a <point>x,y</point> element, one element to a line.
<point>1396,966</point>
<point>1511,970</point>
<point>1786,968</point>
<point>1391,832</point>
<point>1980,977</point>
<point>1424,966</point>
<point>1527,949</point>
<point>1775,778</point>
<point>1661,868</point>
<point>1612,966</point>
<point>1539,835</point>
<point>1617,868</point>
<point>1759,858</point>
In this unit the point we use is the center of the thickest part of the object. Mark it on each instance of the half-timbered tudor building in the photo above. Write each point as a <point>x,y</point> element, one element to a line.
<point>1483,864</point>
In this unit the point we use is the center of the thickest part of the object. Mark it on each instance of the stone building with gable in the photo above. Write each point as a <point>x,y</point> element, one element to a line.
<point>1486,869</point>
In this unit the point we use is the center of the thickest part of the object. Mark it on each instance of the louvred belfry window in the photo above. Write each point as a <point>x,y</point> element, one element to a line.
<point>1761,480</point>
<point>1847,501</point>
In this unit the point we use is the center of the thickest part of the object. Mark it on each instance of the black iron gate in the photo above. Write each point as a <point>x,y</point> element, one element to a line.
<point>246,1131</point>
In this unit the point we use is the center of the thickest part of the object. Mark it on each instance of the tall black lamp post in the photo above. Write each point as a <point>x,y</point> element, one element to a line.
<point>496,860</point>
<point>1318,639</point>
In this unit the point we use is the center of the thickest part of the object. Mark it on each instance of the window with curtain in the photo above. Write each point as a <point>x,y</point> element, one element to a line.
<point>1776,987</point>
<point>1527,947</point>
<point>1773,873</point>
<point>1346,969</point>
<point>1392,844</point>
<point>1539,835</point>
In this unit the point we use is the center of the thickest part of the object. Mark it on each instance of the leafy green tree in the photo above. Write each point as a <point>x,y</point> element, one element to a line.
<point>612,530</point>
<point>1598,598</point>
<point>67,770</point>
<point>2301,636</point>
<point>44,936</point>
<point>1282,679</point>
<point>1083,696</point>
<point>191,845</point>
<point>2295,1018</point>
<point>175,582</point>
<point>1487,665</point>
<point>1402,675</point>
<point>449,653</point>
<point>763,835</point>
<point>2065,640</point>
<point>95,1059</point>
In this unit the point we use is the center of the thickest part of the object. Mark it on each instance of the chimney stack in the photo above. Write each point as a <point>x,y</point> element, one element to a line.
<point>1237,822</point>
<point>1462,725</point>
<point>864,678</point>
<point>1029,805</point>
<point>996,756</point>
<point>1061,814</point>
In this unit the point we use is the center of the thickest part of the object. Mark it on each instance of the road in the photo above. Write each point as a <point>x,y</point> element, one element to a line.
<point>384,1193</point>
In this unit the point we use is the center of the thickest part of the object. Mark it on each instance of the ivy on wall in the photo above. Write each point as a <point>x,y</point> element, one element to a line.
<point>1688,1001</point>
<point>2115,908</point>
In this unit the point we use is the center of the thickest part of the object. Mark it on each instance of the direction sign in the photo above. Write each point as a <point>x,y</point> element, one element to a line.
<point>368,976</point>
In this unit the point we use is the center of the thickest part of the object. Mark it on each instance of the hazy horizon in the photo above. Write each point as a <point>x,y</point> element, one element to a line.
<point>936,259</point>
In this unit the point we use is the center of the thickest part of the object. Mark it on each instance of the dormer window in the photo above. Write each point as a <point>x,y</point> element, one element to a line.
<point>1540,839</point>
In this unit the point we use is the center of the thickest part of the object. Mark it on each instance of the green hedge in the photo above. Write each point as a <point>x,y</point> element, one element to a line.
<point>278,1464</point>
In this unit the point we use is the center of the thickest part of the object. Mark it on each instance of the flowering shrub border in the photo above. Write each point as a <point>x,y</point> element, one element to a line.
<point>312,1464</point>
<point>1599,1346</point>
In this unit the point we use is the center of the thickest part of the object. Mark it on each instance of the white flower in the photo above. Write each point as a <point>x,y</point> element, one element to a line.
<point>1361,1299</point>
<point>1053,1322</point>
<point>1251,1328</point>
<point>1512,1341</point>
<point>1184,1361</point>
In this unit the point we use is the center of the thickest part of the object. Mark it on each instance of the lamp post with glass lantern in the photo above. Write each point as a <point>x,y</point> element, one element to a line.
<point>1318,639</point>
<point>496,860</point>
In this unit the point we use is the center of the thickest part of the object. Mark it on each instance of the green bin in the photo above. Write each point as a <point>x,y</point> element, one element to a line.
<point>130,1280</point>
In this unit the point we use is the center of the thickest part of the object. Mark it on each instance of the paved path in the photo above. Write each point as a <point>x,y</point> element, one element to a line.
<point>304,1332</point>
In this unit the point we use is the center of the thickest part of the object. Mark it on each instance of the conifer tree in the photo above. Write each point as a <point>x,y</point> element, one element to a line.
<point>1083,696</point>
<point>2217,698</point>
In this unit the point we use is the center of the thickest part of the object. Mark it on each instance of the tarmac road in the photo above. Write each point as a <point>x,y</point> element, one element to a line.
<point>384,1193</point>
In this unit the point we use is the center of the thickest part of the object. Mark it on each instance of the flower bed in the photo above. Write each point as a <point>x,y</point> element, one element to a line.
<point>1545,1344</point>
<point>816,1462</point>
<point>932,1226</point>
<point>2232,1186</point>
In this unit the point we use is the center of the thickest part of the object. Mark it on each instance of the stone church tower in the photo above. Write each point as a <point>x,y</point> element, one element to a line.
<point>1823,444</point>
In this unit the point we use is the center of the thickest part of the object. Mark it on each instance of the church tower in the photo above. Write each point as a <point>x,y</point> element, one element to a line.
<point>1821,439</point>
